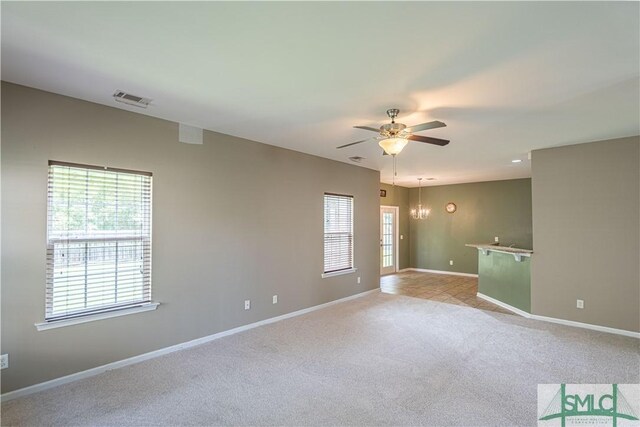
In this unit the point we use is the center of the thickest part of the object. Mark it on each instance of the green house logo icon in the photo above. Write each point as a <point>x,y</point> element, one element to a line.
<point>584,405</point>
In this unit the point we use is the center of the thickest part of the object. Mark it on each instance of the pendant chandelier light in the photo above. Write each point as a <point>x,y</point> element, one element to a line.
<point>419,212</point>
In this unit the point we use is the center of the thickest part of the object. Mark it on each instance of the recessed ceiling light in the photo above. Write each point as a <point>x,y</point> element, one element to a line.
<point>516,161</point>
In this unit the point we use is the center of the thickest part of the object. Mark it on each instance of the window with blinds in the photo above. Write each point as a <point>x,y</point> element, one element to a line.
<point>338,232</point>
<point>98,240</point>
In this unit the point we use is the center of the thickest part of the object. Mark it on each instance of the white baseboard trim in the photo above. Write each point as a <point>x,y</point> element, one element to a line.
<point>587,326</point>
<point>424,270</point>
<point>504,305</point>
<point>160,352</point>
<point>560,321</point>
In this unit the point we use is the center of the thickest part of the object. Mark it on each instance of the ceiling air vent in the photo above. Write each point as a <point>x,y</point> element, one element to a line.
<point>127,98</point>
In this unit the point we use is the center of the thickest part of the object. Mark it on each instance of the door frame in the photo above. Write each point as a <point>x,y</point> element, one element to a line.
<point>396,209</point>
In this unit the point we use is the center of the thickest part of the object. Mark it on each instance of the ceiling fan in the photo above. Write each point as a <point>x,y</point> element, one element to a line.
<point>394,136</point>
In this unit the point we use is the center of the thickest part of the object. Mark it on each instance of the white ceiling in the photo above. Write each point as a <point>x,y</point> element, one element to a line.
<point>506,77</point>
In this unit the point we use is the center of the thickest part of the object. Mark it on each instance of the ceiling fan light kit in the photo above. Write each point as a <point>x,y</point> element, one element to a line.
<point>393,146</point>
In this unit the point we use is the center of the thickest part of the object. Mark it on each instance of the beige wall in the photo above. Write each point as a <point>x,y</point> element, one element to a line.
<point>586,232</point>
<point>399,196</point>
<point>232,220</point>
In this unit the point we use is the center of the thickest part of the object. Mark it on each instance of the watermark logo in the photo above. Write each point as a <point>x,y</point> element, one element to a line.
<point>616,405</point>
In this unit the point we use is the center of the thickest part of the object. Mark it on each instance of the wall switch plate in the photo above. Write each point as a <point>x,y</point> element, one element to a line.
<point>402,237</point>
<point>579,303</point>
<point>450,262</point>
<point>275,299</point>
<point>4,361</point>
<point>496,239</point>
<point>247,304</point>
<point>358,279</point>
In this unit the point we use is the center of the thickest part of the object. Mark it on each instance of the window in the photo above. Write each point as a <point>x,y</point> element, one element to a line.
<point>338,232</point>
<point>98,240</point>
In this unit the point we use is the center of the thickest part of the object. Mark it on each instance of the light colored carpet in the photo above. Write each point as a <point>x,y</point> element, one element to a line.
<point>377,360</point>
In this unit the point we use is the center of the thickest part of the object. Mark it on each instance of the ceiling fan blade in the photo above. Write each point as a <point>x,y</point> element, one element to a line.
<point>429,140</point>
<point>367,128</point>
<point>424,126</point>
<point>354,143</point>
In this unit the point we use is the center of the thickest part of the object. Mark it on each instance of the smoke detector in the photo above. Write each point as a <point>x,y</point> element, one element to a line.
<point>127,98</point>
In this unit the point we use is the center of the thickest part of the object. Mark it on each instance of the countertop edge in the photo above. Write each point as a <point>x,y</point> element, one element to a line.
<point>505,249</point>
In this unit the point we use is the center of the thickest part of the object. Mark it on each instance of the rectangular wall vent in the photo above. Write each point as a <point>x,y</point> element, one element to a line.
<point>130,99</point>
<point>189,134</point>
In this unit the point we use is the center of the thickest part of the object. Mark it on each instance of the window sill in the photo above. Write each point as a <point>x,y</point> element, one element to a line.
<point>98,316</point>
<point>339,273</point>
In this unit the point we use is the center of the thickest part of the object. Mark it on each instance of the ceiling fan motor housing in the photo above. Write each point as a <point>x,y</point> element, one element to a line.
<point>392,129</point>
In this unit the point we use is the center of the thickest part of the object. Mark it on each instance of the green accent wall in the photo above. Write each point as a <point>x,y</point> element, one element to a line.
<point>503,278</point>
<point>485,210</point>
<point>399,196</point>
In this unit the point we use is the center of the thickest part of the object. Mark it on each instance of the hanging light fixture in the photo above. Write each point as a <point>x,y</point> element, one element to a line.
<point>393,145</point>
<point>394,135</point>
<point>420,212</point>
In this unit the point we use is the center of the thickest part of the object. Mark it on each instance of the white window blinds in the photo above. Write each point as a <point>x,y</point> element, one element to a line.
<point>338,232</point>
<point>98,240</point>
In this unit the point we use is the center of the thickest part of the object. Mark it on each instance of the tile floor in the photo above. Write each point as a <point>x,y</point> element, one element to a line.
<point>458,290</point>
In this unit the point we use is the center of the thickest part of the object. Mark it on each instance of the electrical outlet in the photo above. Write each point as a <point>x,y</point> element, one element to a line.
<point>247,304</point>
<point>450,262</point>
<point>358,279</point>
<point>496,239</point>
<point>275,299</point>
<point>4,361</point>
<point>579,303</point>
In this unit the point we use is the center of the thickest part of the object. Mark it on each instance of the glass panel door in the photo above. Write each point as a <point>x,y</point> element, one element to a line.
<point>388,250</point>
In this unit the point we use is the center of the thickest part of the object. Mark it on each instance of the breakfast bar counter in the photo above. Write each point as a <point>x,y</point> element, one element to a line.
<point>504,275</point>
